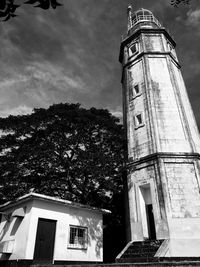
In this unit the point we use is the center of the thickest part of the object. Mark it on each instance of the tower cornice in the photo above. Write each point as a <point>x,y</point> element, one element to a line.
<point>138,32</point>
<point>162,155</point>
<point>149,53</point>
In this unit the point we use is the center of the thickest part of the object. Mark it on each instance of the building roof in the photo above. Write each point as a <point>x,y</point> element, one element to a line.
<point>36,196</point>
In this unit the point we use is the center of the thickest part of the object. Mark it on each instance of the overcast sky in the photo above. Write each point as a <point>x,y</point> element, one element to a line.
<point>71,54</point>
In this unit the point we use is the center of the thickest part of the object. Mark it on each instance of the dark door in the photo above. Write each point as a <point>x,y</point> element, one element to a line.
<point>150,222</point>
<point>45,238</point>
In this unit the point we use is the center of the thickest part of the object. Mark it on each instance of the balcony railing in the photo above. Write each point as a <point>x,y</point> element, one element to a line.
<point>139,18</point>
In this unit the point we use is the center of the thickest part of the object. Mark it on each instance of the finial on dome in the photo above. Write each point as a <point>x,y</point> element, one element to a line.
<point>129,14</point>
<point>129,8</point>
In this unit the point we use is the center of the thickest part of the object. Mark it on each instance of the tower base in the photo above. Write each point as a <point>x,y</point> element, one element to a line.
<point>179,248</point>
<point>160,250</point>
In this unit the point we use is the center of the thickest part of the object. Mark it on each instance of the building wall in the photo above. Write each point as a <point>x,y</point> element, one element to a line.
<point>65,216</point>
<point>168,121</point>
<point>181,187</point>
<point>146,174</point>
<point>14,233</point>
<point>140,144</point>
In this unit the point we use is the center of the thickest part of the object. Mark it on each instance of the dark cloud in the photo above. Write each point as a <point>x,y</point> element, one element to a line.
<point>71,54</point>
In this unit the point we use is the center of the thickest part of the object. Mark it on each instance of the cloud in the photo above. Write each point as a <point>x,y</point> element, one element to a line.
<point>193,18</point>
<point>20,110</point>
<point>10,90</point>
<point>117,112</point>
<point>6,83</point>
<point>39,84</point>
<point>71,54</point>
<point>57,57</point>
<point>55,75</point>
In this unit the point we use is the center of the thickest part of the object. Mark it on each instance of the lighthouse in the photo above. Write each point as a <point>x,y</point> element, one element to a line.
<point>163,161</point>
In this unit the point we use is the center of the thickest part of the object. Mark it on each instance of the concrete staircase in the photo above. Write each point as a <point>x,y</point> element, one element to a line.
<point>144,264</point>
<point>170,263</point>
<point>142,251</point>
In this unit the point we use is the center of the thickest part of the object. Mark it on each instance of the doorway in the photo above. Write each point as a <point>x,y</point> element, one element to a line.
<point>147,216</point>
<point>45,238</point>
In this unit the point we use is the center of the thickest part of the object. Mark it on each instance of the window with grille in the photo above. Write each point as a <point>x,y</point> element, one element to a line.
<point>78,237</point>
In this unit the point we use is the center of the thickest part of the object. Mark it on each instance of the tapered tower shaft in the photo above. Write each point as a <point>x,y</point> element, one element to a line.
<point>163,139</point>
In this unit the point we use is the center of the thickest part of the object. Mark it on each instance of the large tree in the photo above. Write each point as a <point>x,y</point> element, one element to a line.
<point>69,152</point>
<point>64,150</point>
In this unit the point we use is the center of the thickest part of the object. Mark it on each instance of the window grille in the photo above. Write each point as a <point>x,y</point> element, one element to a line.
<point>78,237</point>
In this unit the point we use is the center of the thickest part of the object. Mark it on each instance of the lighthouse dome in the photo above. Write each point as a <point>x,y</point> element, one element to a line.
<point>144,15</point>
<point>143,11</point>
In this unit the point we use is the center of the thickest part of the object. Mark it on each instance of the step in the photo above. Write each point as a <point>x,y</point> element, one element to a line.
<point>142,251</point>
<point>146,264</point>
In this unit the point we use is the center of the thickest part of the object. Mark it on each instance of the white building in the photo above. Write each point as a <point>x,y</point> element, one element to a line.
<point>42,228</point>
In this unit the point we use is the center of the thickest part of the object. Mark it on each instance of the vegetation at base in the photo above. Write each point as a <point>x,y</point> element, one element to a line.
<point>69,152</point>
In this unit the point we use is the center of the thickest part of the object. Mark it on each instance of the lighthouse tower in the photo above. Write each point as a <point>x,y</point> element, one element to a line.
<point>163,141</point>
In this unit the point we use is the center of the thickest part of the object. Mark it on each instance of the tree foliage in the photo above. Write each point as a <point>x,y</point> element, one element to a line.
<point>64,151</point>
<point>8,7</point>
<point>175,3</point>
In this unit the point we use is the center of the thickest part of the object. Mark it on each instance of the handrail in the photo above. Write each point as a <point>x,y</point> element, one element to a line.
<point>136,18</point>
<point>139,18</point>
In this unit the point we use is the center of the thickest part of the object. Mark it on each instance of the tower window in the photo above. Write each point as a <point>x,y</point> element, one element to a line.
<point>133,49</point>
<point>139,120</point>
<point>136,89</point>
<point>130,76</point>
<point>170,47</point>
<point>130,93</point>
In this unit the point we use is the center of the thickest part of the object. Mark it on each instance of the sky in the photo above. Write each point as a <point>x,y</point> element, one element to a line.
<point>71,54</point>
